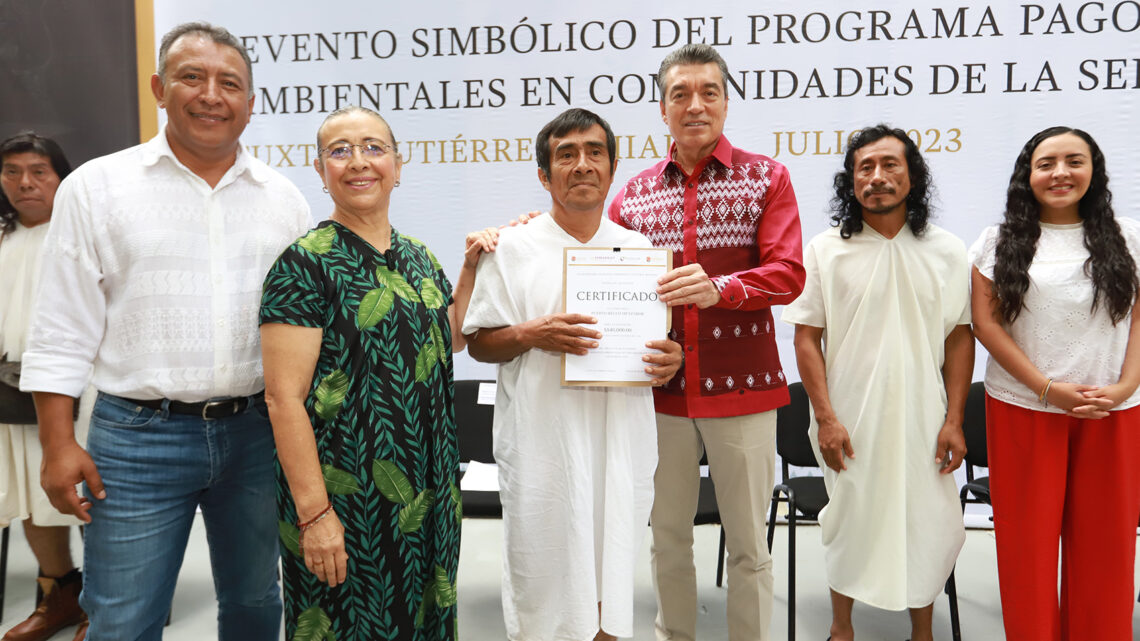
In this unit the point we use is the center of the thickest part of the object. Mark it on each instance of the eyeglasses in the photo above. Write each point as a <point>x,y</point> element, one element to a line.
<point>344,151</point>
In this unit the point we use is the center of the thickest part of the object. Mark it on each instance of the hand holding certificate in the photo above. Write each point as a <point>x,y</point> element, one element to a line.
<point>617,286</point>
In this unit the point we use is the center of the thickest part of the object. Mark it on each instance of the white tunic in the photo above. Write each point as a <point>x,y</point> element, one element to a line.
<point>893,527</point>
<point>21,496</point>
<point>575,464</point>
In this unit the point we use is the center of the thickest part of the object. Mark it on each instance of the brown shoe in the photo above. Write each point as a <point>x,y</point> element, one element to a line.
<point>58,610</point>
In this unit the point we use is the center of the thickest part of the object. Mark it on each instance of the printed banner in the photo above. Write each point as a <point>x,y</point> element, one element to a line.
<point>466,86</point>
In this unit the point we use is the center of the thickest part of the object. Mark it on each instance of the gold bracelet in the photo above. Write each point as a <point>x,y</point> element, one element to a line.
<point>1043,397</point>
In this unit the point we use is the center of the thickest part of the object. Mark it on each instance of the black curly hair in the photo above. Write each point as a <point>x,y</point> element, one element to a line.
<point>848,213</point>
<point>25,142</point>
<point>1110,265</point>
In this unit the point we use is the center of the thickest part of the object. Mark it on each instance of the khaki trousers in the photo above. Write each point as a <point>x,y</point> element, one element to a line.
<point>741,455</point>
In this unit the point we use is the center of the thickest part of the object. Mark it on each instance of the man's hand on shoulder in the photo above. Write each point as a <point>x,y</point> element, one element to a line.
<point>478,243</point>
<point>560,333</point>
<point>835,444</point>
<point>688,284</point>
<point>522,219</point>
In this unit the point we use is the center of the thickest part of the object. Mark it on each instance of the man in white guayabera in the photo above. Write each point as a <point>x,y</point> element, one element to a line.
<point>151,285</point>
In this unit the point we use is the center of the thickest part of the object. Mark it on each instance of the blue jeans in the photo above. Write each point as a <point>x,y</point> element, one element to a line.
<point>157,468</point>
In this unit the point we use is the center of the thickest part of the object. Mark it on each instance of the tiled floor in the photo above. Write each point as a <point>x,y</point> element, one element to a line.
<point>480,616</point>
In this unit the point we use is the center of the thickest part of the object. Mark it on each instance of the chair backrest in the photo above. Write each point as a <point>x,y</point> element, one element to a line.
<point>792,421</point>
<point>473,423</point>
<point>974,427</point>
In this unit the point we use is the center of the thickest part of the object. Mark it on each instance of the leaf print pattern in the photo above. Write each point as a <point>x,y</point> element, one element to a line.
<point>339,481</point>
<point>412,515</point>
<point>313,625</point>
<point>330,394</point>
<point>290,537</point>
<point>457,499</point>
<point>318,241</point>
<point>374,306</point>
<point>392,483</point>
<point>430,294</point>
<point>397,283</point>
<point>381,406</point>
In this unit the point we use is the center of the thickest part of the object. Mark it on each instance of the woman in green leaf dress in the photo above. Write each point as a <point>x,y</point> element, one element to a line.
<point>357,340</point>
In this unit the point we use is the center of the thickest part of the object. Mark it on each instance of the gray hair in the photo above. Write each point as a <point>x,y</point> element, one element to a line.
<point>692,54</point>
<point>354,109</point>
<point>217,35</point>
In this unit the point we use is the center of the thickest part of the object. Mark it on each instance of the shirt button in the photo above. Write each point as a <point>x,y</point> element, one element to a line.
<point>690,306</point>
<point>732,298</point>
<point>690,348</point>
<point>690,185</point>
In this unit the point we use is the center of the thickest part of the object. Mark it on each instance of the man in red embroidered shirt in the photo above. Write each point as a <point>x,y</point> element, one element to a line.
<point>731,219</point>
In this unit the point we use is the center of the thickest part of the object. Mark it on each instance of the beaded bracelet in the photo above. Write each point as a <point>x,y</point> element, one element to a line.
<point>313,521</point>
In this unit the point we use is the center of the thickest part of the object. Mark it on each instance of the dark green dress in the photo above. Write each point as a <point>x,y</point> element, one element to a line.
<point>381,407</point>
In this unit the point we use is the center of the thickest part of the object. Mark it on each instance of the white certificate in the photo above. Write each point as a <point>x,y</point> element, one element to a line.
<point>617,286</point>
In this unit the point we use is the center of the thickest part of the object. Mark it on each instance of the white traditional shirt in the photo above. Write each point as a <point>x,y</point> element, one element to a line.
<point>20,266</point>
<point>893,526</point>
<point>575,463</point>
<point>1058,329</point>
<point>152,279</point>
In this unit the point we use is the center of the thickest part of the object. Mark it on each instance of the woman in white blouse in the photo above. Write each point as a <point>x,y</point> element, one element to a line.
<point>1054,295</point>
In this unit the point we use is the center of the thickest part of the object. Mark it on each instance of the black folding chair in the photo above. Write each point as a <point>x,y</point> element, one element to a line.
<point>977,488</point>
<point>806,496</point>
<point>473,423</point>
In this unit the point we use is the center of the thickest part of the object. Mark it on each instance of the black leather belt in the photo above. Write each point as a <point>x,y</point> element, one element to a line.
<point>219,408</point>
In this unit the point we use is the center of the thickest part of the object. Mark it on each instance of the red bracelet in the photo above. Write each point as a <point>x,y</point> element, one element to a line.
<point>313,521</point>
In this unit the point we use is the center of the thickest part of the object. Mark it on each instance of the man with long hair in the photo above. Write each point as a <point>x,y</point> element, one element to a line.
<point>885,352</point>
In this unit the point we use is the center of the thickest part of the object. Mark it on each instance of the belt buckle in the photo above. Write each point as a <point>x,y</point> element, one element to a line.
<point>206,407</point>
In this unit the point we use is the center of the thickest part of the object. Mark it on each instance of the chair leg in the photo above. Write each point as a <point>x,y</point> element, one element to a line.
<point>791,566</point>
<point>952,595</point>
<point>772,519</point>
<point>3,566</point>
<point>720,559</point>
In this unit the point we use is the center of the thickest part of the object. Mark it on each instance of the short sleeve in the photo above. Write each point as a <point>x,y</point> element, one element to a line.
<point>491,301</point>
<point>293,293</point>
<point>441,280</point>
<point>981,253</point>
<point>808,308</point>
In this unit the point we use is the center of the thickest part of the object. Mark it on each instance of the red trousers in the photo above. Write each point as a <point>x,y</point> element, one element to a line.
<point>1055,477</point>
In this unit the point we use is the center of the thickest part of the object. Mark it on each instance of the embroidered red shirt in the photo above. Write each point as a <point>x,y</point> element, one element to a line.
<point>735,215</point>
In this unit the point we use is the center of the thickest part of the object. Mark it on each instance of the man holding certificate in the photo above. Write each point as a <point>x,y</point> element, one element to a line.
<point>575,463</point>
<point>731,220</point>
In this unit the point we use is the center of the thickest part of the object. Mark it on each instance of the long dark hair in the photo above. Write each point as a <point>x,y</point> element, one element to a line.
<point>1110,265</point>
<point>847,213</point>
<point>25,142</point>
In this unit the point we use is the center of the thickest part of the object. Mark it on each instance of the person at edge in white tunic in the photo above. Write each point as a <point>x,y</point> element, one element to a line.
<point>575,464</point>
<point>31,168</point>
<point>885,352</point>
